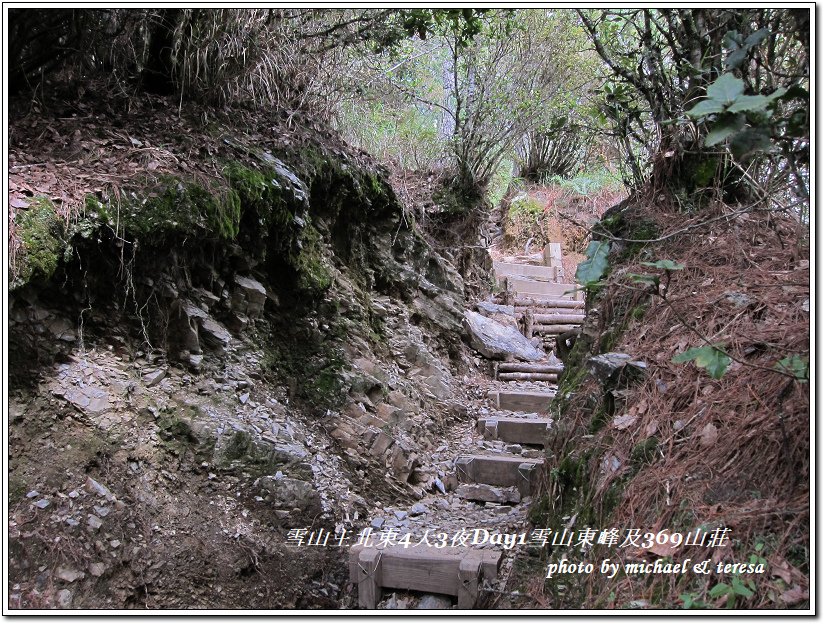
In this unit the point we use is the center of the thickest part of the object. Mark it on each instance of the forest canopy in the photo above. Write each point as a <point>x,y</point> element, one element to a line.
<point>683,99</point>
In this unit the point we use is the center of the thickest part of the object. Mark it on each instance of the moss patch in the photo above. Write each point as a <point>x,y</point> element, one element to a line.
<point>310,262</point>
<point>42,235</point>
<point>177,208</point>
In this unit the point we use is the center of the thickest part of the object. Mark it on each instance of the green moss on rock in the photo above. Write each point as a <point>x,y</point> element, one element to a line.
<point>310,262</point>
<point>178,209</point>
<point>41,233</point>
<point>261,194</point>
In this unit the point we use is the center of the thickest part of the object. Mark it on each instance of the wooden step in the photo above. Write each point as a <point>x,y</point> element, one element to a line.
<point>527,288</point>
<point>541,302</point>
<point>553,330</point>
<point>517,430</point>
<point>550,377</point>
<point>454,571</point>
<point>504,470</point>
<point>537,271</point>
<point>522,400</point>
<point>557,319</point>
<point>529,367</point>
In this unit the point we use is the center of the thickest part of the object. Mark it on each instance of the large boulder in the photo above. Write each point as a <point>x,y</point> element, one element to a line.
<point>498,342</point>
<point>606,366</point>
<point>249,297</point>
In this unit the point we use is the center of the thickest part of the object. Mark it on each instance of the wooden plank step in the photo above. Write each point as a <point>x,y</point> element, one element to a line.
<point>449,570</point>
<point>528,288</point>
<point>521,303</point>
<point>522,400</point>
<point>507,269</point>
<point>504,470</point>
<point>553,330</point>
<point>517,430</point>
<point>556,319</point>
<point>529,367</point>
<point>540,302</point>
<point>551,377</point>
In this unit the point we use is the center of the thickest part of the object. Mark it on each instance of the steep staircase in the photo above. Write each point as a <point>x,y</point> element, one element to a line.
<point>545,308</point>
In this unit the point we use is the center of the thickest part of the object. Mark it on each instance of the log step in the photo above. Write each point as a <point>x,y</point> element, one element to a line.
<point>552,377</point>
<point>557,319</point>
<point>504,470</point>
<point>553,330</point>
<point>517,430</point>
<point>450,570</point>
<point>522,401</point>
<point>522,303</point>
<point>528,367</point>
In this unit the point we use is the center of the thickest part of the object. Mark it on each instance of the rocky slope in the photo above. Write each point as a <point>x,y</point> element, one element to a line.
<point>199,364</point>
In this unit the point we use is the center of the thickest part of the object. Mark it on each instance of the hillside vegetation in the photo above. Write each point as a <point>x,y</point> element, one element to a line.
<point>241,243</point>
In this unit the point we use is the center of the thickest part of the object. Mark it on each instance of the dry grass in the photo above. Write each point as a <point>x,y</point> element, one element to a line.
<point>732,452</point>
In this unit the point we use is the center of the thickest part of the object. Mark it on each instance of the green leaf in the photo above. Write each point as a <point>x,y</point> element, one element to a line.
<point>757,37</point>
<point>732,40</point>
<point>735,58</point>
<point>796,366</point>
<point>726,89</point>
<point>719,590</point>
<point>739,588</point>
<point>652,280</point>
<point>750,140</point>
<point>591,269</point>
<point>719,134</point>
<point>727,126</point>
<point>710,358</point>
<point>667,265</point>
<point>745,103</point>
<point>704,108</point>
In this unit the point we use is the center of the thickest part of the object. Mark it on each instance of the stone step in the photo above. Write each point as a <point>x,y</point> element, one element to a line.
<point>510,269</point>
<point>503,470</point>
<point>522,400</point>
<point>450,570</point>
<point>518,430</point>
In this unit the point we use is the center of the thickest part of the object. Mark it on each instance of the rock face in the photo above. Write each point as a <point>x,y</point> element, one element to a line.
<point>248,297</point>
<point>605,367</point>
<point>498,342</point>
<point>487,308</point>
<point>287,493</point>
<point>488,493</point>
<point>503,314</point>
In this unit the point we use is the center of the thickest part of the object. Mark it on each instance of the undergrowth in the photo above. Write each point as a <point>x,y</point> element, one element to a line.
<point>681,448</point>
